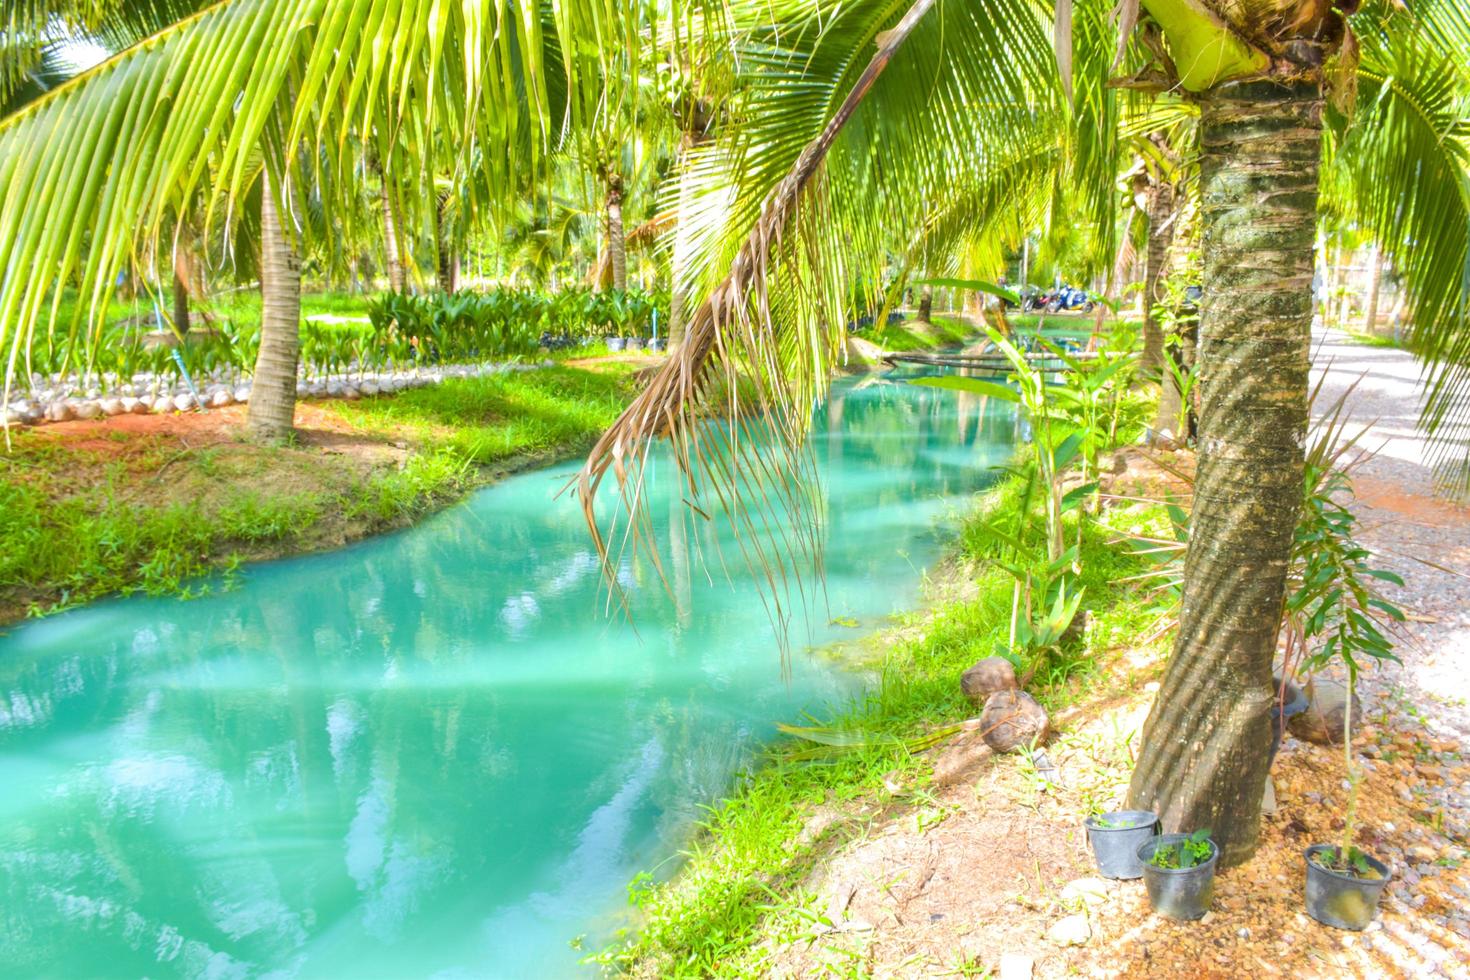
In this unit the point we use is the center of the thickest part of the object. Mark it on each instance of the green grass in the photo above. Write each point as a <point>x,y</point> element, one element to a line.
<point>243,307</point>
<point>99,540</point>
<point>1378,340</point>
<point>743,880</point>
<point>240,306</point>
<point>149,514</point>
<point>489,420</point>
<point>910,335</point>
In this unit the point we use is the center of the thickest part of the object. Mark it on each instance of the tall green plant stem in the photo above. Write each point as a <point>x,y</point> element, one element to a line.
<point>1350,818</point>
<point>1206,742</point>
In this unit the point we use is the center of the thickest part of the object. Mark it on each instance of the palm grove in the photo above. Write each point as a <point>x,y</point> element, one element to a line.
<point>811,148</point>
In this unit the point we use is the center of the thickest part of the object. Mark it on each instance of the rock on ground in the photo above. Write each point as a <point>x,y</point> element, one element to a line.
<point>1071,930</point>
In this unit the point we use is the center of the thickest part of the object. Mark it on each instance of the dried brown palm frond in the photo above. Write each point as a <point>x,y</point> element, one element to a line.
<point>751,443</point>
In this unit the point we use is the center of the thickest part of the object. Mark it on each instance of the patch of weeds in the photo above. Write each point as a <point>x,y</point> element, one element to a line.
<point>423,480</point>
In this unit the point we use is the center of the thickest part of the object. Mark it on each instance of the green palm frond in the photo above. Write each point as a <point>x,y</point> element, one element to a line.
<point>93,170</point>
<point>31,34</point>
<point>1400,166</point>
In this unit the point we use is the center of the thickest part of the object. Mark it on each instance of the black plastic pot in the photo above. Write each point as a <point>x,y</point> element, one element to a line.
<point>1179,893</point>
<point>635,343</point>
<point>1115,847</point>
<point>1339,900</point>
<point>615,343</point>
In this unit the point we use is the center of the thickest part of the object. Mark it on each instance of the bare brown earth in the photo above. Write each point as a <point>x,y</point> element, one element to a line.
<point>124,437</point>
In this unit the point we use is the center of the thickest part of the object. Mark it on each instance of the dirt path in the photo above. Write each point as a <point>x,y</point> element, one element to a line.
<point>1407,525</point>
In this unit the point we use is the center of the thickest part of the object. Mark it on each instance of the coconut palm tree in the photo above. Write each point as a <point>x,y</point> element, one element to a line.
<point>95,168</point>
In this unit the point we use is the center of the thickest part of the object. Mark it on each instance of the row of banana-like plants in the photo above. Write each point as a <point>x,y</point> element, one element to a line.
<point>399,331</point>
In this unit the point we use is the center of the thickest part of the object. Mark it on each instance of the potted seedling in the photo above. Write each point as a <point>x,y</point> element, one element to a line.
<point>1179,872</point>
<point>1343,883</point>
<point>1116,837</point>
<point>1334,612</point>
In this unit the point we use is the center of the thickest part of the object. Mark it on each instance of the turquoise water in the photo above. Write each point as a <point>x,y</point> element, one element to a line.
<point>430,754</point>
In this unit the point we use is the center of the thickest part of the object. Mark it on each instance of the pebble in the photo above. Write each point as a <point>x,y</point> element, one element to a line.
<point>1016,966</point>
<point>64,399</point>
<point>1071,930</point>
<point>1092,891</point>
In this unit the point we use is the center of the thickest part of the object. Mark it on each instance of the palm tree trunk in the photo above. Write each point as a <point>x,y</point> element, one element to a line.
<point>1370,309</point>
<point>1160,203</point>
<point>926,304</point>
<point>181,304</point>
<point>617,248</point>
<point>1206,742</point>
<point>273,391</point>
<point>1160,206</point>
<point>448,260</point>
<point>391,256</point>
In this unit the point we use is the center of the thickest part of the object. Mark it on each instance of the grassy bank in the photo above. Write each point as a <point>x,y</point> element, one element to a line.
<point>911,335</point>
<point>744,886</point>
<point>153,503</point>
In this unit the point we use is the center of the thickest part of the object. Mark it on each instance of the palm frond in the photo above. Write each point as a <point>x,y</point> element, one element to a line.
<point>92,171</point>
<point>1401,168</point>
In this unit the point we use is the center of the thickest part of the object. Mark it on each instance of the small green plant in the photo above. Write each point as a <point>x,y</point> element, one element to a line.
<point>1191,852</point>
<point>1351,862</point>
<point>1103,822</point>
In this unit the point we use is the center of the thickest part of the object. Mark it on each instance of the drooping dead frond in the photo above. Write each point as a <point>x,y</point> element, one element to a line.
<point>734,412</point>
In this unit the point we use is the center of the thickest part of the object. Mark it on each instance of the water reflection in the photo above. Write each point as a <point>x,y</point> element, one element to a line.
<point>427,754</point>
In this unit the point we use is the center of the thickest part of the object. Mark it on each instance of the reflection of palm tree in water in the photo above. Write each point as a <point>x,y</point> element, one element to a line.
<point>679,554</point>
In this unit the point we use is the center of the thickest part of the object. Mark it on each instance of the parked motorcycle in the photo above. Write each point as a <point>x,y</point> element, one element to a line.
<point>1066,299</point>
